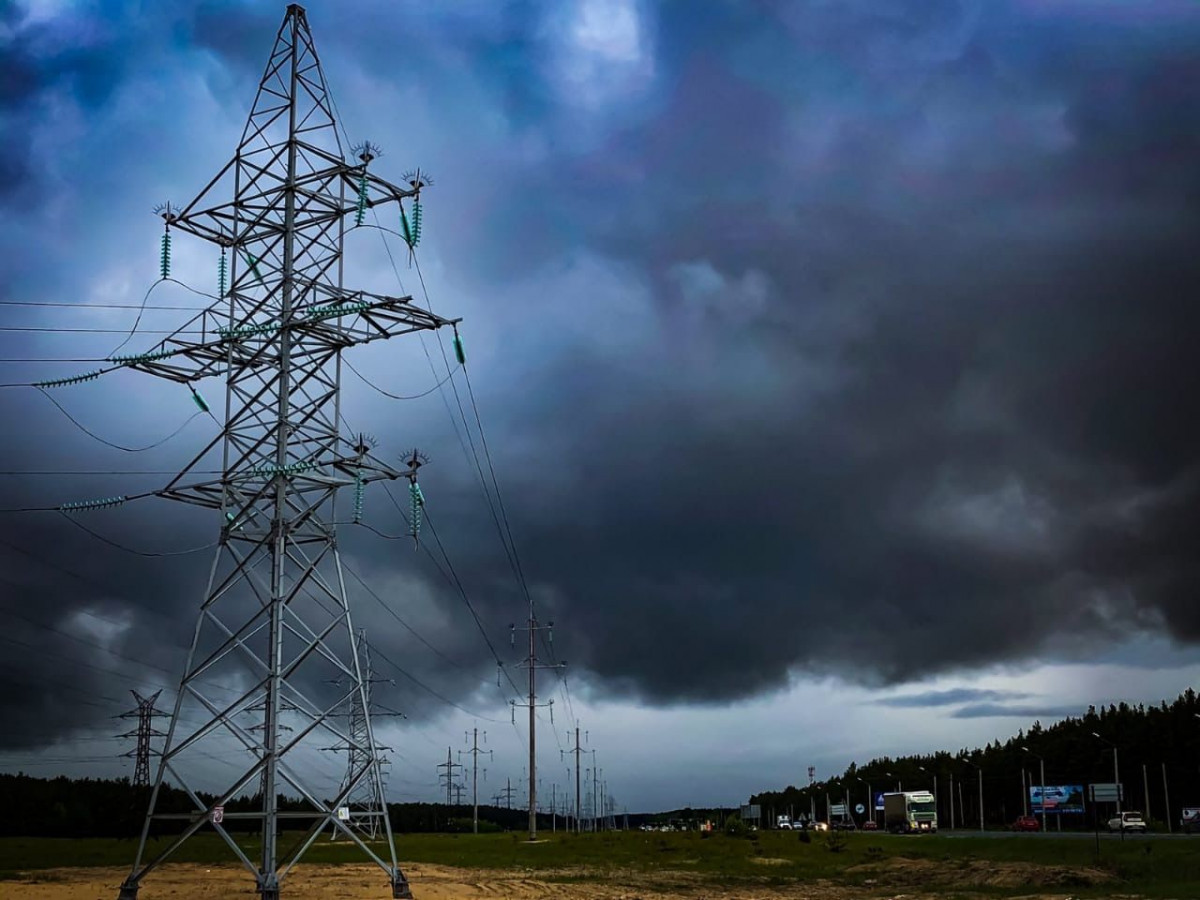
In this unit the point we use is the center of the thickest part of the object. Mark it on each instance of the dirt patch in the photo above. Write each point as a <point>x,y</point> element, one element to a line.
<point>910,879</point>
<point>979,874</point>
<point>360,882</point>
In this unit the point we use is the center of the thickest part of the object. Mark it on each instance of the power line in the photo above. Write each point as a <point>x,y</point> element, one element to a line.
<point>377,652</point>
<point>395,615</point>
<point>107,443</point>
<point>83,307</point>
<point>376,387</point>
<point>119,546</point>
<point>38,329</point>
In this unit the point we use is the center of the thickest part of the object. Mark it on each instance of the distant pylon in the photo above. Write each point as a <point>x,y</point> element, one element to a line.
<point>145,713</point>
<point>449,765</point>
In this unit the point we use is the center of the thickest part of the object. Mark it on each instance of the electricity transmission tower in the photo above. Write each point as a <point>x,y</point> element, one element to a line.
<point>449,765</point>
<point>365,804</point>
<point>475,751</point>
<point>274,629</point>
<point>506,794</point>
<point>531,663</point>
<point>145,713</point>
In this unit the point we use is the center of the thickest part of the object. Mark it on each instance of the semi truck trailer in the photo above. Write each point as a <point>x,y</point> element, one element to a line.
<point>910,812</point>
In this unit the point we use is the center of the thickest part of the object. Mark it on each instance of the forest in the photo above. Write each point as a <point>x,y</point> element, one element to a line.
<point>1157,755</point>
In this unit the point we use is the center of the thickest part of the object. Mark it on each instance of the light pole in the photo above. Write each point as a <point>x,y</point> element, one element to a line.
<point>1042,763</point>
<point>935,792</point>
<point>870,799</point>
<point>978,769</point>
<point>899,784</point>
<point>1116,771</point>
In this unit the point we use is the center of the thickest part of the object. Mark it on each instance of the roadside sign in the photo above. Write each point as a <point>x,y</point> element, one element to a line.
<point>218,815</point>
<point>344,813</point>
<point>879,800</point>
<point>1106,793</point>
<point>859,808</point>
<point>837,809</point>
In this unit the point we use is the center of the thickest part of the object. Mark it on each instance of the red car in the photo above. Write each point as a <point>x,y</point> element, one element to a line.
<point>870,826</point>
<point>1027,823</point>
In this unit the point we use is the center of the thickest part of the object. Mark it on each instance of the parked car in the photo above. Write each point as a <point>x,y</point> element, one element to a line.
<point>845,825</point>
<point>870,826</point>
<point>819,826</point>
<point>1027,823</point>
<point>1127,821</point>
<point>1190,823</point>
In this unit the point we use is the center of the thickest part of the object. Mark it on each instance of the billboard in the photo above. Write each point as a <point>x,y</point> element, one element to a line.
<point>1059,798</point>
<point>879,801</point>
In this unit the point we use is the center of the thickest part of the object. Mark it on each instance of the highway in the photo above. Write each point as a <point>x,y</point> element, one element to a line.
<point>1066,835</point>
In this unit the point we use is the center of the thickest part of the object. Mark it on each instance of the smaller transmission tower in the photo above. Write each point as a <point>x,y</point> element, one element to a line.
<point>365,800</point>
<point>449,765</point>
<point>506,794</point>
<point>145,713</point>
<point>531,663</point>
<point>475,751</point>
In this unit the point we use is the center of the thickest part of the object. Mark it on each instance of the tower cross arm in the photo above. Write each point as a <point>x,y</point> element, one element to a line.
<point>229,225</point>
<point>346,321</point>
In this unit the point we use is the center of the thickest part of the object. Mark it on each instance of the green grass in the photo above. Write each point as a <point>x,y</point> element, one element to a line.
<point>1152,869</point>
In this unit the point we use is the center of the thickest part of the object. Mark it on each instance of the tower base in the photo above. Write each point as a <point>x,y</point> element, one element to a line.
<point>400,888</point>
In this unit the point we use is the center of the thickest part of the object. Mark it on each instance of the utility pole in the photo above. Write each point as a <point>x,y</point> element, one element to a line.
<point>578,795</point>
<point>812,799</point>
<point>275,617</point>
<point>449,765</point>
<point>145,713</point>
<point>475,751</point>
<point>1146,791</point>
<point>1167,799</point>
<point>595,778</point>
<point>531,663</point>
<point>952,800</point>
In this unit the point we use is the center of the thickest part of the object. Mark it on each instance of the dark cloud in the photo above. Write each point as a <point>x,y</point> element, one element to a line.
<point>853,341</point>
<point>951,697</point>
<point>999,710</point>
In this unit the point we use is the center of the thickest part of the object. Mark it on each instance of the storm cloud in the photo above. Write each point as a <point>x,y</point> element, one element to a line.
<point>809,339</point>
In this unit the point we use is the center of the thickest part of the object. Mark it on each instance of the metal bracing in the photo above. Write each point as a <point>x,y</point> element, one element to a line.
<point>274,662</point>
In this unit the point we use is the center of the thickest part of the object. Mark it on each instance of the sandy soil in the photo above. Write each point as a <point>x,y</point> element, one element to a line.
<point>888,881</point>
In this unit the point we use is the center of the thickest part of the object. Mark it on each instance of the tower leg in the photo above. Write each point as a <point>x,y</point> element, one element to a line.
<point>400,889</point>
<point>268,886</point>
<point>129,890</point>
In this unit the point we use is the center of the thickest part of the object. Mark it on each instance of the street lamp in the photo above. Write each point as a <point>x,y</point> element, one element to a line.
<point>1042,763</point>
<point>1116,771</point>
<point>978,769</point>
<point>935,791</point>
<point>870,799</point>
<point>899,784</point>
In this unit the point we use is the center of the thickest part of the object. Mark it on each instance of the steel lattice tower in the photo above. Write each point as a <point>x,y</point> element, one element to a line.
<point>274,630</point>
<point>364,797</point>
<point>145,714</point>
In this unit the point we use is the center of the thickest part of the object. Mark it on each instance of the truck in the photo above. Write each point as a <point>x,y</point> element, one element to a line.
<point>910,812</point>
<point>783,822</point>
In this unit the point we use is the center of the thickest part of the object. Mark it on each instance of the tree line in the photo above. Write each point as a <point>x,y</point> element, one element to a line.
<point>1158,758</point>
<point>95,807</point>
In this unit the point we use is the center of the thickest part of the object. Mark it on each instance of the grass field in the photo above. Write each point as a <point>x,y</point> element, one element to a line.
<point>948,866</point>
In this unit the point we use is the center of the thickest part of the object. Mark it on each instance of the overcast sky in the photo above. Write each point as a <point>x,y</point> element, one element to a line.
<point>832,356</point>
